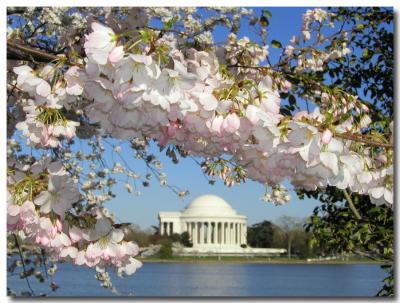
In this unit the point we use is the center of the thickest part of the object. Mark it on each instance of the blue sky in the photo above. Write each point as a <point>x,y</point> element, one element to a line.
<point>245,198</point>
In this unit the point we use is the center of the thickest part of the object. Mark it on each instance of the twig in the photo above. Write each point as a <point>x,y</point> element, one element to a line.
<point>351,205</point>
<point>19,51</point>
<point>43,261</point>
<point>23,264</point>
<point>360,139</point>
<point>367,255</point>
<point>13,50</point>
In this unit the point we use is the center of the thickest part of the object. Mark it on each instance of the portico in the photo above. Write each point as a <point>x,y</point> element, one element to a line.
<point>210,222</point>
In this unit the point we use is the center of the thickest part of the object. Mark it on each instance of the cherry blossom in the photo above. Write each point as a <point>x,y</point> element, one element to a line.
<point>59,197</point>
<point>100,43</point>
<point>29,82</point>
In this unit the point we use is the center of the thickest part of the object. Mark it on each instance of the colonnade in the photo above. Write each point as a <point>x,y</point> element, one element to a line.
<point>217,232</point>
<point>166,228</point>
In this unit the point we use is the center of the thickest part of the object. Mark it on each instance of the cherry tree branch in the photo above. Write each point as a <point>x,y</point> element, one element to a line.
<point>23,263</point>
<point>19,51</point>
<point>347,136</point>
<point>354,137</point>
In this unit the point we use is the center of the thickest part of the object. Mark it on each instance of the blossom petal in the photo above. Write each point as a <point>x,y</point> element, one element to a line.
<point>330,160</point>
<point>377,192</point>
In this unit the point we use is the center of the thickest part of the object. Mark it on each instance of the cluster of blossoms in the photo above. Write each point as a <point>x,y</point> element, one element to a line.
<point>313,15</point>
<point>192,104</point>
<point>41,210</point>
<point>278,196</point>
<point>315,59</point>
<point>244,52</point>
<point>341,105</point>
<point>45,122</point>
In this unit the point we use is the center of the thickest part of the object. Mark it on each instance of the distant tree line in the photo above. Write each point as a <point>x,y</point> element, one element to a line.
<point>289,233</point>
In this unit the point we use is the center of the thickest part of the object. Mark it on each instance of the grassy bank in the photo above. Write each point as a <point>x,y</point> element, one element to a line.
<point>258,260</point>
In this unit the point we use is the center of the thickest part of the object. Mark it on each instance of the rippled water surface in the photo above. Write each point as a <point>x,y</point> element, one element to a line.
<point>182,279</point>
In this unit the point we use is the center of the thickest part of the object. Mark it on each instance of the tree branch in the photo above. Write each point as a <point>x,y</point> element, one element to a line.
<point>374,257</point>
<point>347,136</point>
<point>351,205</point>
<point>15,10</point>
<point>18,51</point>
<point>23,263</point>
<point>354,137</point>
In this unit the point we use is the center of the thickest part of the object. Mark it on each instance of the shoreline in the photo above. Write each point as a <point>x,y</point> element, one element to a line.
<point>249,261</point>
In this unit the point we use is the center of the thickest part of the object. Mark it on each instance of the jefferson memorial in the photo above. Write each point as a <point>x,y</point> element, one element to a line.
<point>214,227</point>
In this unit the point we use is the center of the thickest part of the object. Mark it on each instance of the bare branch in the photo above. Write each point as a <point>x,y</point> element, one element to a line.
<point>18,51</point>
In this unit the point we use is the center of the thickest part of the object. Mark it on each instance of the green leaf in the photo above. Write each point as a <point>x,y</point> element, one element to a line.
<point>276,44</point>
<point>264,21</point>
<point>285,111</point>
<point>170,23</point>
<point>292,100</point>
<point>267,13</point>
<point>253,21</point>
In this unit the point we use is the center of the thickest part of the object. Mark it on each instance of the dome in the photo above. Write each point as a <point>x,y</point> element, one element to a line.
<point>209,206</point>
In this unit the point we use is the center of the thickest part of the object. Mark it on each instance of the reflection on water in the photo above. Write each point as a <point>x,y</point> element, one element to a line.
<point>180,279</point>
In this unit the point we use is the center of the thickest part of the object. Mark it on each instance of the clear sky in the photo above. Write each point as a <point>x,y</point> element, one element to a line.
<point>245,198</point>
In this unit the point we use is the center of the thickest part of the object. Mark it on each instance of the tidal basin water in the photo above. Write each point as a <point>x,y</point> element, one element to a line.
<point>227,280</point>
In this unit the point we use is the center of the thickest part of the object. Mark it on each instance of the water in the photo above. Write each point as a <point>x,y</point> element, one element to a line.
<point>227,280</point>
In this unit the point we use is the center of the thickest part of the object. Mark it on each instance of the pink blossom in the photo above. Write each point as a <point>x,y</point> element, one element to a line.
<point>252,114</point>
<point>45,232</point>
<point>75,234</point>
<point>163,139</point>
<point>22,217</point>
<point>216,125</point>
<point>365,108</point>
<point>99,43</point>
<point>116,55</point>
<point>326,136</point>
<point>75,81</point>
<point>172,128</point>
<point>270,106</point>
<point>231,123</point>
<point>46,133</point>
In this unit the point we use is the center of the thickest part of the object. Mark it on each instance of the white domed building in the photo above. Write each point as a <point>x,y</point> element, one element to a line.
<point>214,228</point>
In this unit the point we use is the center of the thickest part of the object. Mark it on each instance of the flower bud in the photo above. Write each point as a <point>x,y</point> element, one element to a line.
<point>326,136</point>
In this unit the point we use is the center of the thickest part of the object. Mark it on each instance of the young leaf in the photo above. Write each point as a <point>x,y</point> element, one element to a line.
<point>292,100</point>
<point>276,44</point>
